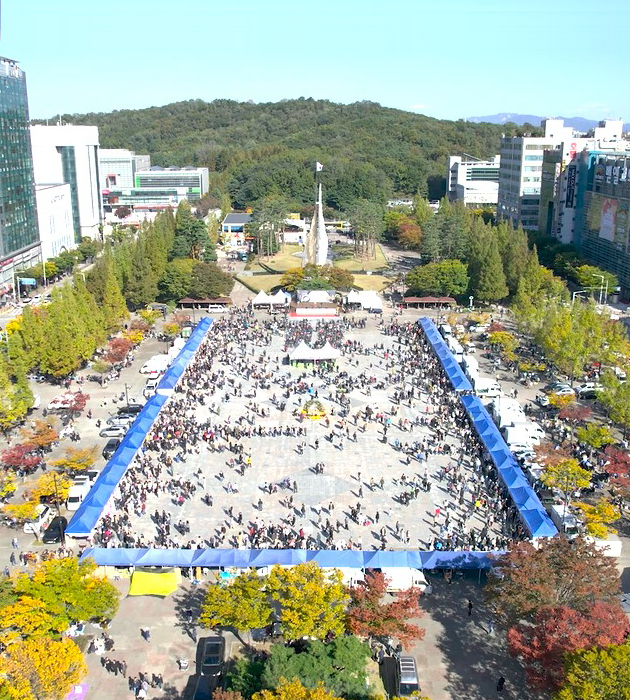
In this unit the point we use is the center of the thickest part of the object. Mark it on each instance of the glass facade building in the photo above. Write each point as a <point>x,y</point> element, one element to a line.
<point>18,212</point>
<point>603,205</point>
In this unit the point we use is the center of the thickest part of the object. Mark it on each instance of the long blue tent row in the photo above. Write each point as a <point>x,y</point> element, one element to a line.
<point>326,558</point>
<point>531,510</point>
<point>90,510</point>
<point>452,369</point>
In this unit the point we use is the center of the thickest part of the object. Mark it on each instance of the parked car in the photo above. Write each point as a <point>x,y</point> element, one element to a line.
<point>111,447</point>
<point>204,688</point>
<point>559,388</point>
<point>588,391</point>
<point>54,532</point>
<point>217,308</point>
<point>407,677</point>
<point>211,656</point>
<point>124,420</point>
<point>132,408</point>
<point>44,514</point>
<point>113,431</point>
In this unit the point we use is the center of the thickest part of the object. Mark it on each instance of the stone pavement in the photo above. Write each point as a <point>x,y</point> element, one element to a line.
<point>275,459</point>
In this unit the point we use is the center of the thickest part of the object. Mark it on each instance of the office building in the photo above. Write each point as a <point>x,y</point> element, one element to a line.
<point>195,180</point>
<point>19,236</point>
<point>520,172</point>
<point>118,168</point>
<point>233,229</point>
<point>69,154</point>
<point>54,214</point>
<point>145,198</point>
<point>560,178</point>
<point>603,212</point>
<point>472,181</point>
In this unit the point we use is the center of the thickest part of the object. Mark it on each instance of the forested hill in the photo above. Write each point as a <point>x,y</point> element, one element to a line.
<point>368,151</point>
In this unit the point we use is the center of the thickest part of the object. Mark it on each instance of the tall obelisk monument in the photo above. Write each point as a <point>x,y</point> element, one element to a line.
<point>317,239</point>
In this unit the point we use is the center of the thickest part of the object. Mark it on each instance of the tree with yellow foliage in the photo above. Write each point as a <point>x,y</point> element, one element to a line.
<point>22,511</point>
<point>41,669</point>
<point>76,460</point>
<point>29,618</point>
<point>294,690</point>
<point>312,601</point>
<point>599,517</point>
<point>52,486</point>
<point>567,476</point>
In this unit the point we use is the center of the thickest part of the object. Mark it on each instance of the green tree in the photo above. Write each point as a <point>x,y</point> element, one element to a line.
<point>141,288</point>
<point>446,278</point>
<point>431,246</point>
<point>615,397</point>
<point>339,665</point>
<point>514,252</point>
<point>208,282</point>
<point>487,281</point>
<point>567,476</point>
<point>595,436</point>
<point>367,221</point>
<point>590,276</point>
<point>597,674</point>
<point>191,235</point>
<point>177,278</point>
<point>112,301</point>
<point>65,336</point>
<point>267,225</point>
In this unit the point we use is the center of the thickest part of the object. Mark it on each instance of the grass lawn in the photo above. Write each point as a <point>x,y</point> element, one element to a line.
<point>352,263</point>
<point>374,283</point>
<point>258,282</point>
<point>281,262</point>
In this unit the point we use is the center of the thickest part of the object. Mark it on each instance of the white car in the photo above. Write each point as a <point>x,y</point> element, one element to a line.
<point>217,309</point>
<point>113,431</point>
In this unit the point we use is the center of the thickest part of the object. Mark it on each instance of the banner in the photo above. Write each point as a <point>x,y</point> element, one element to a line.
<point>570,197</point>
<point>607,220</point>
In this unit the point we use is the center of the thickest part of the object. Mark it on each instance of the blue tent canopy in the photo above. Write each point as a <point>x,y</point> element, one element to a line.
<point>453,371</point>
<point>330,558</point>
<point>531,511</point>
<point>89,512</point>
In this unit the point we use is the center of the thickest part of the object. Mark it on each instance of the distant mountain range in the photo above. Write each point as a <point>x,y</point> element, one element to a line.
<point>578,123</point>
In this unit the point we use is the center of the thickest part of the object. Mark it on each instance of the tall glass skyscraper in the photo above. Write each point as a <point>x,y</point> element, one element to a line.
<point>19,235</point>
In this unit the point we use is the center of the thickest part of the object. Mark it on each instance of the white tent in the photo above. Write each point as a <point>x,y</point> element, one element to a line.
<point>302,352</point>
<point>280,297</point>
<point>353,297</point>
<point>261,298</point>
<point>328,352</point>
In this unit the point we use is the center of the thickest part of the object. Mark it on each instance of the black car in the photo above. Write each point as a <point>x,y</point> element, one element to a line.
<point>133,409</point>
<point>54,531</point>
<point>204,688</point>
<point>111,447</point>
<point>210,656</point>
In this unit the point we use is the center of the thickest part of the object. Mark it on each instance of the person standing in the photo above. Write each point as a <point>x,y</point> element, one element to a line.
<point>500,684</point>
<point>470,607</point>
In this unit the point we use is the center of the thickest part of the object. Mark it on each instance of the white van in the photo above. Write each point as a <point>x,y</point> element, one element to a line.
<point>565,521</point>
<point>486,388</point>
<point>156,363</point>
<point>44,514</point>
<point>150,387</point>
<point>402,578</point>
<point>77,492</point>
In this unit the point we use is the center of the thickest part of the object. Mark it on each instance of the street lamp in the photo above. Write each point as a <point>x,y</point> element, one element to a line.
<point>601,286</point>
<point>470,302</point>
<point>580,291</point>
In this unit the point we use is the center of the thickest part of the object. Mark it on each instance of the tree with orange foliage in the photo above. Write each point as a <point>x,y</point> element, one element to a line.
<point>294,690</point>
<point>556,632</point>
<point>42,434</point>
<point>370,614</point>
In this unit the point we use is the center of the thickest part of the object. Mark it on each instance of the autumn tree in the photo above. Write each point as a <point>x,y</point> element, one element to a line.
<point>598,518</point>
<point>595,436</point>
<point>43,433</point>
<point>597,674</point>
<point>617,466</point>
<point>244,604</point>
<point>616,400</point>
<point>372,614</point>
<point>558,573</point>
<point>312,603</point>
<point>76,460</point>
<point>41,669</point>
<point>556,632</point>
<point>53,487</point>
<point>117,350</point>
<point>70,590</point>
<point>294,690</point>
<point>21,511</point>
<point>567,476</point>
<point>29,618</point>
<point>22,456</point>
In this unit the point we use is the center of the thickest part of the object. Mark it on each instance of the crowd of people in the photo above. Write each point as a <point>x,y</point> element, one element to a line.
<point>207,448</point>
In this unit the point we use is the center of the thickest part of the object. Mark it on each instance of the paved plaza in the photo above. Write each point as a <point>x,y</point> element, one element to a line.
<point>356,461</point>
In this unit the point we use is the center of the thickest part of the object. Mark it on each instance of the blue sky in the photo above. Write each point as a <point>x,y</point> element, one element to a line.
<point>448,59</point>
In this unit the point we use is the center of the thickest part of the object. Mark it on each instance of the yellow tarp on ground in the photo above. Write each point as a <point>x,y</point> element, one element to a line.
<point>161,583</point>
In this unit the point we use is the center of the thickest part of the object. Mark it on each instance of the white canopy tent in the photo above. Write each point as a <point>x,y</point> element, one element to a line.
<point>303,353</point>
<point>262,298</point>
<point>280,297</point>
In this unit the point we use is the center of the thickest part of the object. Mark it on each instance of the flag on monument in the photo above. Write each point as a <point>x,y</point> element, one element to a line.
<point>318,166</point>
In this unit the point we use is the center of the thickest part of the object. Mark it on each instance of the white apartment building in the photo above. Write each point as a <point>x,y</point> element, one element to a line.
<point>473,181</point>
<point>561,177</point>
<point>520,172</point>
<point>118,167</point>
<point>54,215</point>
<point>69,154</point>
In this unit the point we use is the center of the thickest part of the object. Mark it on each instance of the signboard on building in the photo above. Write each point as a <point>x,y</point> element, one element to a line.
<point>607,221</point>
<point>569,201</point>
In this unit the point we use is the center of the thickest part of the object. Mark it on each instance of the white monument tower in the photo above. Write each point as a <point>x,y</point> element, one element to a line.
<point>317,239</point>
